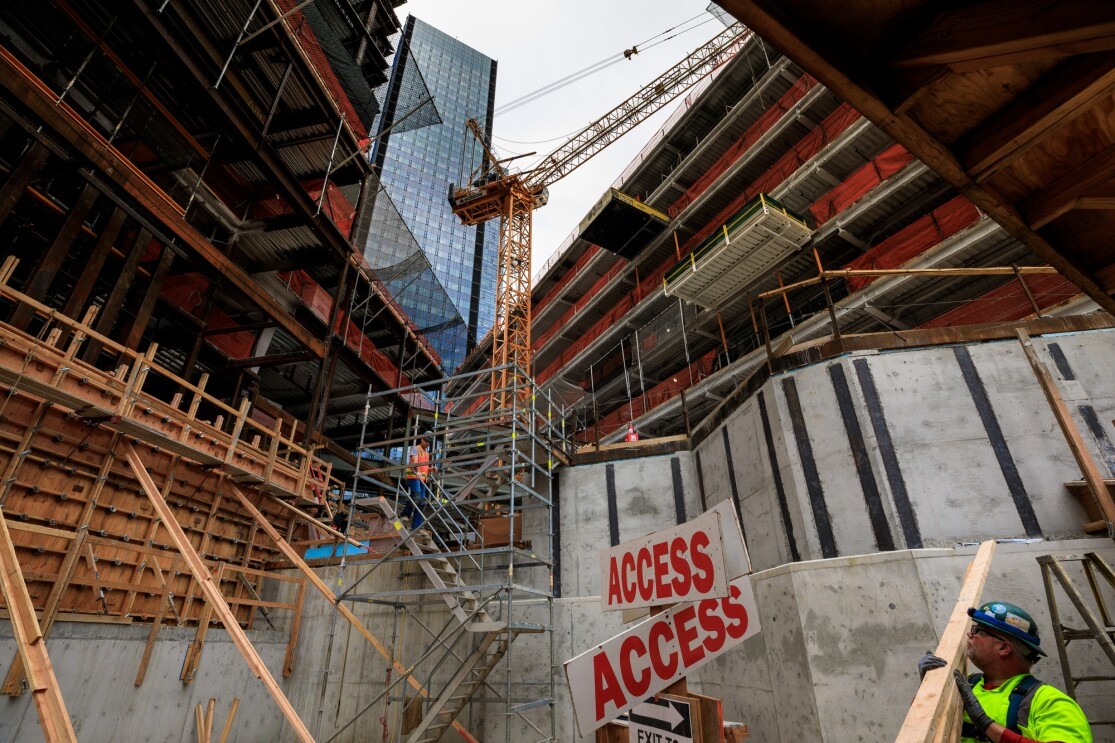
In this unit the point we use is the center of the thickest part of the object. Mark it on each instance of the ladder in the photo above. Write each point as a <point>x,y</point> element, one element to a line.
<point>1099,628</point>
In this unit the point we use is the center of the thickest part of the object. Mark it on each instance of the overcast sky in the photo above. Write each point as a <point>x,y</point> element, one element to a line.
<point>538,43</point>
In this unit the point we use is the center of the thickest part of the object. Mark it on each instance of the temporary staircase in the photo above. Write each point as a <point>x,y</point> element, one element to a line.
<point>462,602</point>
<point>489,475</point>
<point>462,686</point>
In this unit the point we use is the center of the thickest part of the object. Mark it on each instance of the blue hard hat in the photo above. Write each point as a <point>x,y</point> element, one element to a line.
<point>1011,620</point>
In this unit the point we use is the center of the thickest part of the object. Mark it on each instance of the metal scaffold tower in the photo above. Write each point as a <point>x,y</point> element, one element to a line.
<point>480,544</point>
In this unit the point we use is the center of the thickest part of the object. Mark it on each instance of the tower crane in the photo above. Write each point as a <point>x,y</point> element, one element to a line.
<point>495,190</point>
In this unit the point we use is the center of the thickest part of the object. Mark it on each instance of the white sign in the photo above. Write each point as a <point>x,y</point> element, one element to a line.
<point>611,678</point>
<point>682,563</point>
<point>661,720</point>
<point>735,553</point>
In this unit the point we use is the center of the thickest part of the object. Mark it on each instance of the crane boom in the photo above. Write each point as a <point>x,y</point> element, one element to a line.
<point>513,197</point>
<point>579,148</point>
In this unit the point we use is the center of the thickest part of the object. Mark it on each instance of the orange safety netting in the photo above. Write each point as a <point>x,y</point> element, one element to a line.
<point>1009,302</point>
<point>300,29</point>
<point>880,168</point>
<point>188,291</point>
<point>321,304</point>
<point>761,126</point>
<point>910,242</point>
<point>665,390</point>
<point>810,144</point>
<point>570,313</point>
<point>336,205</point>
<point>557,288</point>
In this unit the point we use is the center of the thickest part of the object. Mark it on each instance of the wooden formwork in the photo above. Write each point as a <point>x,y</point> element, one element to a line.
<point>88,537</point>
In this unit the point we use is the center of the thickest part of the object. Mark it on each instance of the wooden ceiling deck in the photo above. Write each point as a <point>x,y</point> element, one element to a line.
<point>1011,101</point>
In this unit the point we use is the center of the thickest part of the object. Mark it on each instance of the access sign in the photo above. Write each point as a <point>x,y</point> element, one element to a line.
<point>611,678</point>
<point>682,563</point>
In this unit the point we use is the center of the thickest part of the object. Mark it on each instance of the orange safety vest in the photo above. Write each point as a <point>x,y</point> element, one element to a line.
<point>418,456</point>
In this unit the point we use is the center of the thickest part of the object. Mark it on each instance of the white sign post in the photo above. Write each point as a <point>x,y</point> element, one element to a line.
<point>611,678</point>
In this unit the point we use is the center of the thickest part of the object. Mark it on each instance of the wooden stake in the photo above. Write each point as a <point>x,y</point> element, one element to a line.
<point>199,720</point>
<point>1072,434</point>
<point>13,683</point>
<point>53,717</point>
<point>228,722</point>
<point>325,591</point>
<point>213,595</point>
<point>209,719</point>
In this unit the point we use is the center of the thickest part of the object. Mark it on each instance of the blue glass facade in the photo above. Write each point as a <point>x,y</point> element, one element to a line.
<point>416,168</point>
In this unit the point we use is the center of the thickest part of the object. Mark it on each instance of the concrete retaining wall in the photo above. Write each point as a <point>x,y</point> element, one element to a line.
<point>865,456</point>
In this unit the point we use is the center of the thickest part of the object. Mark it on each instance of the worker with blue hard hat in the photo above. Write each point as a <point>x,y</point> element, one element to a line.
<point>1004,703</point>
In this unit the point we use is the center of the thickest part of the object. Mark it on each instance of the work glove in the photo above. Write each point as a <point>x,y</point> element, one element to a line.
<point>928,662</point>
<point>979,718</point>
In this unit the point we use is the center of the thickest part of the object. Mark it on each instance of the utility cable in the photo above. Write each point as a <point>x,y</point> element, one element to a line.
<point>603,64</point>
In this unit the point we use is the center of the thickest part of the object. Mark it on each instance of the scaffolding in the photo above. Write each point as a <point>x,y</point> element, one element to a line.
<point>480,544</point>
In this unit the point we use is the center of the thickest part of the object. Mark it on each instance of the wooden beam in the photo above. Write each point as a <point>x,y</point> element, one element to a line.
<point>150,297</point>
<point>320,524</point>
<point>936,705</point>
<point>213,595</point>
<point>92,269</point>
<point>193,652</point>
<point>295,628</point>
<point>53,717</point>
<point>17,182</point>
<point>51,261</point>
<point>1058,97</point>
<point>1068,426</point>
<point>1005,32</point>
<point>115,302</point>
<point>1062,195</point>
<point>325,591</point>
<point>153,635</point>
<point>13,682</point>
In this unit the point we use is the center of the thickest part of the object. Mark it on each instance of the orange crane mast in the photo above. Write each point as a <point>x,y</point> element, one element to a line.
<point>494,190</point>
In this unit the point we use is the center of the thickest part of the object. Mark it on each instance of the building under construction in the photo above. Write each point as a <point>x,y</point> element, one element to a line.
<point>857,288</point>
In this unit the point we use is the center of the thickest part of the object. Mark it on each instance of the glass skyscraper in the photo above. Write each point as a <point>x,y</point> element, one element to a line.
<point>417,161</point>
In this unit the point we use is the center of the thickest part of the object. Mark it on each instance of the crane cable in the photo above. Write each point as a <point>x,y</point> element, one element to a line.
<point>599,66</point>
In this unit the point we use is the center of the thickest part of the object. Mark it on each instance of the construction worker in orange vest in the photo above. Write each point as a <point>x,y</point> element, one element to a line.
<point>418,469</point>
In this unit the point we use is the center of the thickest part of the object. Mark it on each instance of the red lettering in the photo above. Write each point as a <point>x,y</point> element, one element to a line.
<point>705,576</point>
<point>606,684</point>
<point>628,563</point>
<point>713,624</point>
<point>632,648</point>
<point>661,570</point>
<point>614,594</point>
<point>736,611</point>
<point>664,667</point>
<point>691,651</point>
<point>645,577</point>
<point>683,576</point>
